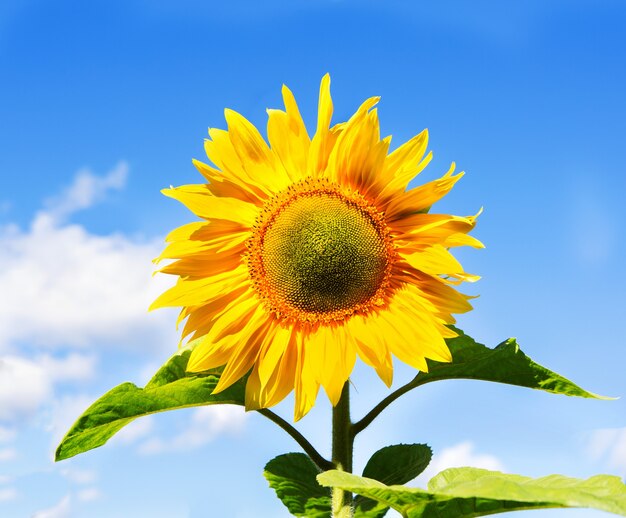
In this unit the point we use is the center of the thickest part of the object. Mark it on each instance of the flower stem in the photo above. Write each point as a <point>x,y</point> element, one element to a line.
<point>343,442</point>
<point>308,448</point>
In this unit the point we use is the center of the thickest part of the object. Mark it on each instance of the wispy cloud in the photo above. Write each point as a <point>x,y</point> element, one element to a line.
<point>608,446</point>
<point>86,190</point>
<point>25,384</point>
<point>80,476</point>
<point>459,455</point>
<point>7,494</point>
<point>89,494</point>
<point>205,425</point>
<point>7,434</point>
<point>7,454</point>
<point>62,509</point>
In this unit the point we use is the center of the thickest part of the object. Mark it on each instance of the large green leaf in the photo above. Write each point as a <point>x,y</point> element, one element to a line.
<point>471,492</point>
<point>506,363</point>
<point>170,388</point>
<point>293,477</point>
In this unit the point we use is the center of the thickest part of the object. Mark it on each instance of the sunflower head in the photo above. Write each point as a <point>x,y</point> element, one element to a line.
<point>311,252</point>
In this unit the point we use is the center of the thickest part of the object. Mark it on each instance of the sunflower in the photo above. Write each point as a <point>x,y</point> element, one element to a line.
<point>311,252</point>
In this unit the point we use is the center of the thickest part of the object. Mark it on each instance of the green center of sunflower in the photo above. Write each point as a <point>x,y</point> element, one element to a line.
<point>322,253</point>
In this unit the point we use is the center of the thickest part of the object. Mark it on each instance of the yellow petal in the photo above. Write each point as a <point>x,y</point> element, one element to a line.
<point>282,381</point>
<point>407,156</point>
<point>201,318</point>
<point>435,260</point>
<point>278,359</point>
<point>332,360</point>
<point>321,144</point>
<point>359,155</point>
<point>203,266</point>
<point>221,151</point>
<point>462,240</point>
<point>420,328</point>
<point>289,138</point>
<point>258,160</point>
<point>371,345</point>
<point>198,291</point>
<point>199,200</point>
<point>223,187</point>
<point>245,352</point>
<point>421,198</point>
<point>306,386</point>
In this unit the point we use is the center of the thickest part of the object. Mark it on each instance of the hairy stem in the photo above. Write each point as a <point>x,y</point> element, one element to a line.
<point>308,448</point>
<point>343,442</point>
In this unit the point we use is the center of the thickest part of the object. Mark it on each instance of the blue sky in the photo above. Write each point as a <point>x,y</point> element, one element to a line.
<point>102,104</point>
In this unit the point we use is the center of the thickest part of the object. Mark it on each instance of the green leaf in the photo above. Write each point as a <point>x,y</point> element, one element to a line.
<point>293,477</point>
<point>397,464</point>
<point>504,364</point>
<point>470,492</point>
<point>170,388</point>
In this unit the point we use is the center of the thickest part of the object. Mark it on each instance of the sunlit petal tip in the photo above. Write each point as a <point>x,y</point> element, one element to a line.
<point>155,305</point>
<point>386,375</point>
<point>468,277</point>
<point>365,107</point>
<point>451,170</point>
<point>446,356</point>
<point>287,94</point>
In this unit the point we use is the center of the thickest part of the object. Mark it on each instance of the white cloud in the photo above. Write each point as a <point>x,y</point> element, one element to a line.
<point>80,476</point>
<point>61,510</point>
<point>7,494</point>
<point>459,455</point>
<point>608,445</point>
<point>86,190</point>
<point>205,425</point>
<point>74,367</point>
<point>63,286</point>
<point>25,384</point>
<point>89,495</point>
<point>7,434</point>
<point>23,387</point>
<point>7,454</point>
